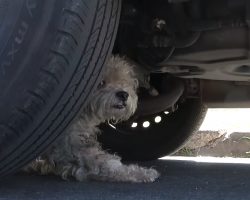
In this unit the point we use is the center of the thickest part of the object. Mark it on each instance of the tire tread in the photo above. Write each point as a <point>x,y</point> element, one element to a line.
<point>77,90</point>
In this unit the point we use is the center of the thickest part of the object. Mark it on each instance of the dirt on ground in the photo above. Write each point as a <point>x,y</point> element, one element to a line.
<point>217,144</point>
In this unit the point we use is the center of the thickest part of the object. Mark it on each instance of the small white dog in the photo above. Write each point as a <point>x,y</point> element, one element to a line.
<point>78,154</point>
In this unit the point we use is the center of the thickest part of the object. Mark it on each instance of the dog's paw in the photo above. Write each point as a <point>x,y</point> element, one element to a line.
<point>151,175</point>
<point>135,174</point>
<point>80,174</point>
<point>144,175</point>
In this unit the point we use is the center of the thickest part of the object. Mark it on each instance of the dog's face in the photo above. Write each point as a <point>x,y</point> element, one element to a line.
<point>116,98</point>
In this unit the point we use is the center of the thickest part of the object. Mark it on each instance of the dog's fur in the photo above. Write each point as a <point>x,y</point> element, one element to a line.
<point>78,154</point>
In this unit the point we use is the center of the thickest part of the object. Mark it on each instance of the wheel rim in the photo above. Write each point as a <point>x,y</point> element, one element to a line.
<point>159,139</point>
<point>141,124</point>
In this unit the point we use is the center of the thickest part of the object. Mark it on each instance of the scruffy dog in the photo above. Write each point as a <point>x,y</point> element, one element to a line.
<point>78,154</point>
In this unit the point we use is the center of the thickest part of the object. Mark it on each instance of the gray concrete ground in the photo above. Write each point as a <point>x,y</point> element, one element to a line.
<point>183,180</point>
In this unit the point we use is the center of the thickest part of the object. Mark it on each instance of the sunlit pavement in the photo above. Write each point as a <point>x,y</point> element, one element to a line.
<point>180,179</point>
<point>208,159</point>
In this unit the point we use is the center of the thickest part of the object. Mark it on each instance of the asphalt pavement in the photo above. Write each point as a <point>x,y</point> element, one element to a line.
<point>179,180</point>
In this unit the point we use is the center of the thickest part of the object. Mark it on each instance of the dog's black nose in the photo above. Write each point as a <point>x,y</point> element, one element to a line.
<point>123,96</point>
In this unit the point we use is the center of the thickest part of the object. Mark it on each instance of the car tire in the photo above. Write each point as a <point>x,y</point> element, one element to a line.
<point>52,54</point>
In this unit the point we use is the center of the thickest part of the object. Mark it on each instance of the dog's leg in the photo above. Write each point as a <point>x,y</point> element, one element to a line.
<point>43,167</point>
<point>65,170</point>
<point>107,167</point>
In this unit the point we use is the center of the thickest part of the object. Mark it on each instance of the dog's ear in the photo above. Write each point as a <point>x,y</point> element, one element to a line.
<point>136,84</point>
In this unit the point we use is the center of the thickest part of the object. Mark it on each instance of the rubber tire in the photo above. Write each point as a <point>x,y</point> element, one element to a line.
<point>158,140</point>
<point>52,54</point>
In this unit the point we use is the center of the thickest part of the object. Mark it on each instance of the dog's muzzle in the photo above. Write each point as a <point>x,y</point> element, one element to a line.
<point>122,96</point>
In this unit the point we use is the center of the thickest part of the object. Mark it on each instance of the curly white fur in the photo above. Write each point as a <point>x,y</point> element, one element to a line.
<point>78,154</point>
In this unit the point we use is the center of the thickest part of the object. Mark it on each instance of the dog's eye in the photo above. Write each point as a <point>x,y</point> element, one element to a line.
<point>101,84</point>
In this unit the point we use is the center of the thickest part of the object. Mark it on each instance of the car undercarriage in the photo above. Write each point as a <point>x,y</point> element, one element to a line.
<point>205,43</point>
